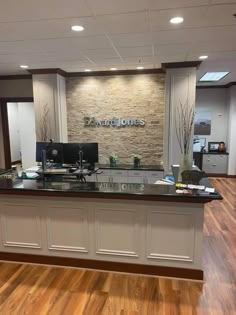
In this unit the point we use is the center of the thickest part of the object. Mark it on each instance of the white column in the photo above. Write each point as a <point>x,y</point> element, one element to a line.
<point>50,107</point>
<point>180,88</point>
<point>2,158</point>
<point>232,130</point>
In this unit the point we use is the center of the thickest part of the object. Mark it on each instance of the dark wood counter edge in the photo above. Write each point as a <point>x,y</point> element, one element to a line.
<point>162,271</point>
<point>50,193</point>
<point>127,168</point>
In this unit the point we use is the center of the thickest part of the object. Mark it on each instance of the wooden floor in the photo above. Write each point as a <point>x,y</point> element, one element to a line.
<point>35,290</point>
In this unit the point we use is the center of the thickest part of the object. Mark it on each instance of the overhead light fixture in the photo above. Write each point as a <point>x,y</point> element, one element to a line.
<point>177,20</point>
<point>213,76</point>
<point>87,70</point>
<point>140,68</point>
<point>113,69</point>
<point>77,28</point>
<point>203,57</point>
<point>24,66</point>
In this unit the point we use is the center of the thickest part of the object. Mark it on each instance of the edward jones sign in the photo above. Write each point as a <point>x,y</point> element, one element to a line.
<point>114,122</point>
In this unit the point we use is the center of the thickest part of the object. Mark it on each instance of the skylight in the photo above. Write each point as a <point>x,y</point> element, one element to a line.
<point>213,76</point>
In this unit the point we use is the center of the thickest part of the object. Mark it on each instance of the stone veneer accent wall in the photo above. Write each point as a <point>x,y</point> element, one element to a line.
<point>127,96</point>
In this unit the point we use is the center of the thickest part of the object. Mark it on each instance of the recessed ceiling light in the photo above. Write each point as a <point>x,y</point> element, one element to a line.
<point>113,69</point>
<point>176,20</point>
<point>87,70</point>
<point>203,57</point>
<point>24,66</point>
<point>213,76</point>
<point>140,68</point>
<point>77,28</point>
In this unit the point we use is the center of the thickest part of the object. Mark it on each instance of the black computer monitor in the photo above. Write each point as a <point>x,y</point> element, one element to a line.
<point>54,151</point>
<point>89,150</point>
<point>71,153</point>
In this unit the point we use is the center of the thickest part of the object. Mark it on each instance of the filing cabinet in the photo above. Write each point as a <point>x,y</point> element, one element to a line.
<point>215,163</point>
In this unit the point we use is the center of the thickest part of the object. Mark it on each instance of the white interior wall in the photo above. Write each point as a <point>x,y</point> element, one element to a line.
<point>14,132</point>
<point>27,133</point>
<point>21,118</point>
<point>215,102</point>
<point>232,130</point>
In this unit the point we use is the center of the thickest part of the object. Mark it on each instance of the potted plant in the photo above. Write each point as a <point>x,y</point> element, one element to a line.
<point>136,160</point>
<point>113,159</point>
<point>184,122</point>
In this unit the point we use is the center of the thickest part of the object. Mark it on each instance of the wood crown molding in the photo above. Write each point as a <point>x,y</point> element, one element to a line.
<point>16,77</point>
<point>225,86</point>
<point>94,73</point>
<point>184,64</point>
<point>48,71</point>
<point>162,271</point>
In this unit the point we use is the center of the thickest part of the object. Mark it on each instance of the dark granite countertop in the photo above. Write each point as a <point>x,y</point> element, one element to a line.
<point>131,167</point>
<point>105,190</point>
<point>215,153</point>
<point>220,153</point>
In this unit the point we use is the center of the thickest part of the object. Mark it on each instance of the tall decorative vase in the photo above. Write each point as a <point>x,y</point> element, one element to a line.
<point>184,165</point>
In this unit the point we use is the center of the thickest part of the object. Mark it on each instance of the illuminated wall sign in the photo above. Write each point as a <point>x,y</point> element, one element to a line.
<point>114,122</point>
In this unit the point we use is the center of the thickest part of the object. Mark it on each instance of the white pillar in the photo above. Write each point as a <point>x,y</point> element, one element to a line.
<point>2,157</point>
<point>180,88</point>
<point>50,107</point>
<point>232,130</point>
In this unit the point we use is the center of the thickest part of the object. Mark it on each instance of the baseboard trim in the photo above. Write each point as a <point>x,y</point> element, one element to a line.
<point>193,274</point>
<point>217,175</point>
<point>221,175</point>
<point>16,162</point>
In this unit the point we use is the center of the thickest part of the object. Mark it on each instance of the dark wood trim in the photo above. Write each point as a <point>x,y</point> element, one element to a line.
<point>120,196</point>
<point>231,176</point>
<point>16,162</point>
<point>5,126</point>
<point>48,71</point>
<point>185,64</point>
<point>94,73</point>
<point>6,100</point>
<point>5,131</point>
<point>162,271</point>
<point>16,77</point>
<point>217,175</point>
<point>112,73</point>
<point>225,86</point>
<point>204,87</point>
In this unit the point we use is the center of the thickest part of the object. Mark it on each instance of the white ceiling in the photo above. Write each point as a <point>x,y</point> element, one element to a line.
<point>118,33</point>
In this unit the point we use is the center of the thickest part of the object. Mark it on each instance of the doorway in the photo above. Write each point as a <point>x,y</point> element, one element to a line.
<point>18,129</point>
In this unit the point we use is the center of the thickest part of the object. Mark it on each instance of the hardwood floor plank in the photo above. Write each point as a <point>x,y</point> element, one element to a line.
<point>40,290</point>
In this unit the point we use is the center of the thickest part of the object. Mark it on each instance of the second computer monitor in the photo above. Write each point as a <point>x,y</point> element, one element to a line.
<point>72,152</point>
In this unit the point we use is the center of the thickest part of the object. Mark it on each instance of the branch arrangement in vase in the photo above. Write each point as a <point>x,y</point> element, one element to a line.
<point>184,120</point>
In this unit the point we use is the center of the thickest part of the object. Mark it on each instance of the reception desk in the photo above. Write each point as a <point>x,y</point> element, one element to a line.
<point>139,228</point>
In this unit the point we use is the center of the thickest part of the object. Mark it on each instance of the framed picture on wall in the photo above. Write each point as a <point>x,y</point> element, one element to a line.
<point>202,123</point>
<point>198,143</point>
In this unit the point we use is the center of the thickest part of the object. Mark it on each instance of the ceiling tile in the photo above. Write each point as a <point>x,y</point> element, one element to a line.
<point>129,40</point>
<point>194,35</point>
<point>164,4</point>
<point>125,23</point>
<point>48,29</point>
<point>28,10</point>
<point>145,60</point>
<point>102,53</point>
<point>194,17</point>
<point>102,7</point>
<point>112,62</point>
<point>135,51</point>
<point>55,45</point>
